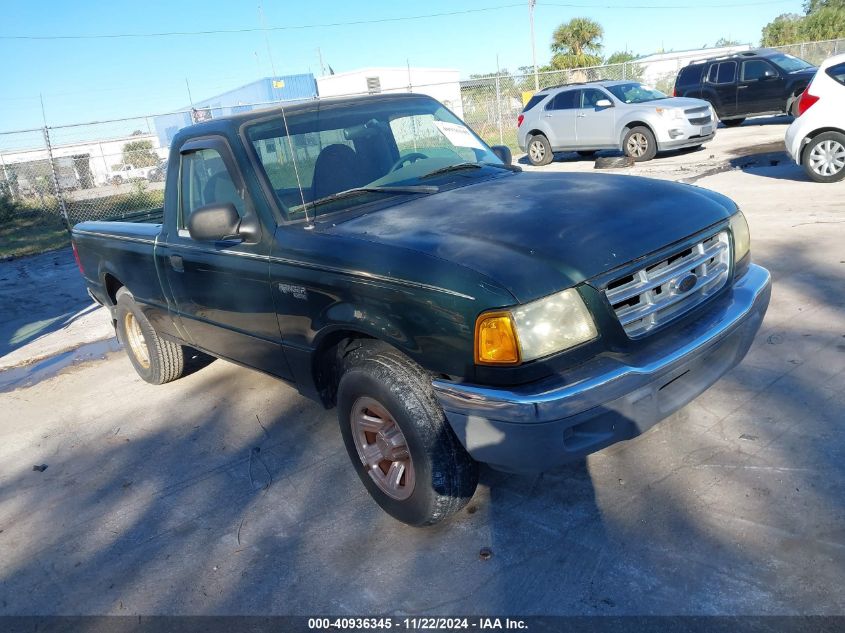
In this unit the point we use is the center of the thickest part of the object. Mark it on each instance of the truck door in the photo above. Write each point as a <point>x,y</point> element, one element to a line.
<point>221,290</point>
<point>761,88</point>
<point>594,125</point>
<point>559,117</point>
<point>721,84</point>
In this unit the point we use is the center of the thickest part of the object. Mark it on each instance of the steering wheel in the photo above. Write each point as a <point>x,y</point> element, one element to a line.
<point>408,158</point>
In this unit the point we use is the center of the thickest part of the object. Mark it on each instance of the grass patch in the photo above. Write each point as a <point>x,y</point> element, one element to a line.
<point>30,233</point>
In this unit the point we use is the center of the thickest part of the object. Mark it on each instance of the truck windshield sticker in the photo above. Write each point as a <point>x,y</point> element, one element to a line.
<point>458,135</point>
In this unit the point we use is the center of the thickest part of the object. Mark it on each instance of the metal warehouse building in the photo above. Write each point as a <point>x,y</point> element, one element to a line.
<point>247,97</point>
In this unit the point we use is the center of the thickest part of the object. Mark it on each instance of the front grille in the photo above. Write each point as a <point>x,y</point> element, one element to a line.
<point>666,289</point>
<point>699,116</point>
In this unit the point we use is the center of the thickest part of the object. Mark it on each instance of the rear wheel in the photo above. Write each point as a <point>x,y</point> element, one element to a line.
<point>639,144</point>
<point>398,438</point>
<point>824,157</point>
<point>733,122</point>
<point>155,359</point>
<point>539,151</point>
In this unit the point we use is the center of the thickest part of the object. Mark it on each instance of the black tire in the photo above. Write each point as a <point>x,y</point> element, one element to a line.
<point>613,162</point>
<point>164,361</point>
<point>835,144</point>
<point>733,122</point>
<point>641,151</point>
<point>444,475</point>
<point>542,154</point>
<point>586,153</point>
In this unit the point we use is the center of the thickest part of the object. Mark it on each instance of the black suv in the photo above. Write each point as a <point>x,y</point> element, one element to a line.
<point>746,84</point>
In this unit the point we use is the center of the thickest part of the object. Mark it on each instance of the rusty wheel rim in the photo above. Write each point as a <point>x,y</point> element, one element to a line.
<point>382,448</point>
<point>135,340</point>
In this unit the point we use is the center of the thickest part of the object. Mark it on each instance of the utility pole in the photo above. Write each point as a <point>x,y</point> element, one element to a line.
<point>531,4</point>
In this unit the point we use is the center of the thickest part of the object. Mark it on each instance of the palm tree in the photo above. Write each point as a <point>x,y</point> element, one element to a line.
<point>577,43</point>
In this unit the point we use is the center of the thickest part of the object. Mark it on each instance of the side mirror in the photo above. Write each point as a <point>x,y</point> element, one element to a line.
<point>769,74</point>
<point>604,103</point>
<point>214,222</point>
<point>504,153</point>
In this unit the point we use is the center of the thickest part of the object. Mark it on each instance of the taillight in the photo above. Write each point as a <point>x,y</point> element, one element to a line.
<point>520,119</point>
<point>675,91</point>
<point>805,101</point>
<point>76,257</point>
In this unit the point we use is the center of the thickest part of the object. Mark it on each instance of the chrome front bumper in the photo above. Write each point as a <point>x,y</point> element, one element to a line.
<point>562,418</point>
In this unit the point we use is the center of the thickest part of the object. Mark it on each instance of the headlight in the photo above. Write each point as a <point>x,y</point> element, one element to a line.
<point>527,332</point>
<point>742,236</point>
<point>670,113</point>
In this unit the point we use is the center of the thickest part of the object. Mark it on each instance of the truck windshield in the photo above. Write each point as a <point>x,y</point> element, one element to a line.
<point>635,93</point>
<point>789,63</point>
<point>379,147</point>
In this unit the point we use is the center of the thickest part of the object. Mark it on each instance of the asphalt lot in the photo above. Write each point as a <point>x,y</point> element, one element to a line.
<point>226,492</point>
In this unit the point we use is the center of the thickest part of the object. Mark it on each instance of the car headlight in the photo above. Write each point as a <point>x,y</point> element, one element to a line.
<point>670,113</point>
<point>533,330</point>
<point>742,236</point>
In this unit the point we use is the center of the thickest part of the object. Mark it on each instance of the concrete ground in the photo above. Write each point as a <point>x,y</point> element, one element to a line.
<point>227,493</point>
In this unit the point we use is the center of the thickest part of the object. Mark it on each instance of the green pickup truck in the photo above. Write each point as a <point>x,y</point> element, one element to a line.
<point>378,255</point>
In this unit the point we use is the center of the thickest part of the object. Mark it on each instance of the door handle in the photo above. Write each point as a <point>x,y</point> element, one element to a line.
<point>581,116</point>
<point>742,87</point>
<point>177,263</point>
<point>547,115</point>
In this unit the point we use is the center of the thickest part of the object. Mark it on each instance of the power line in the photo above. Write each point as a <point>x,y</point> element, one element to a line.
<point>256,29</point>
<point>294,27</point>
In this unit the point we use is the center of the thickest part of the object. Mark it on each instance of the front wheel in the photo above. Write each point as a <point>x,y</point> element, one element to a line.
<point>640,144</point>
<point>539,151</point>
<point>824,157</point>
<point>155,359</point>
<point>398,438</point>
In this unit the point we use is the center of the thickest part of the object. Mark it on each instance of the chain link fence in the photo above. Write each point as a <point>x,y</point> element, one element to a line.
<point>116,169</point>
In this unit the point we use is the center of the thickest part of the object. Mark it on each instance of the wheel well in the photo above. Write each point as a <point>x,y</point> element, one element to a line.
<point>112,286</point>
<point>814,134</point>
<point>328,359</point>
<point>535,133</point>
<point>630,126</point>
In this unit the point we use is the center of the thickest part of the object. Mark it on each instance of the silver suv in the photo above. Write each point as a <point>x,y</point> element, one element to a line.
<point>616,115</point>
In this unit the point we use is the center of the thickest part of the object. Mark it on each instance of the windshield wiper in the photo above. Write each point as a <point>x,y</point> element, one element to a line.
<point>455,167</point>
<point>348,193</point>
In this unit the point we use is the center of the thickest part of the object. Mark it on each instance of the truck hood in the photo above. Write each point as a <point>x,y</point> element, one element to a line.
<point>537,233</point>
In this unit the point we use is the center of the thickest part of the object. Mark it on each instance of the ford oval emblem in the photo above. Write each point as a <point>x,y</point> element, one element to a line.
<point>685,284</point>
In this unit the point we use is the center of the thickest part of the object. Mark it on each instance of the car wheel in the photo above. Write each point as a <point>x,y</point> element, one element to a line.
<point>398,438</point>
<point>639,144</point>
<point>733,122</point>
<point>539,151</point>
<point>155,359</point>
<point>588,153</point>
<point>824,157</point>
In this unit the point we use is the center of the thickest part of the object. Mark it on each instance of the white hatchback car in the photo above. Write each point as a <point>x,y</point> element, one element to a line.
<point>816,139</point>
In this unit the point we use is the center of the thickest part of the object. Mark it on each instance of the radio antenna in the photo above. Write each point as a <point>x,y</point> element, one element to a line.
<point>309,224</point>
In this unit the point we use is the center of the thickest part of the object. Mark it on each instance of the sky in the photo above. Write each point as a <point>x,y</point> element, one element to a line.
<point>96,79</point>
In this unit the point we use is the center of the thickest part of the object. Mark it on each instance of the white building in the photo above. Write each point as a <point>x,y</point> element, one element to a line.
<point>662,66</point>
<point>78,165</point>
<point>441,83</point>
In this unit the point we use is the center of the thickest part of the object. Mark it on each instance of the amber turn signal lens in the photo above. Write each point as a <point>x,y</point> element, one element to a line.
<point>495,339</point>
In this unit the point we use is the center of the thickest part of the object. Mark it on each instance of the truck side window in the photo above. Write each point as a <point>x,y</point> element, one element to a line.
<point>205,179</point>
<point>754,69</point>
<point>726,73</point>
<point>590,97</point>
<point>566,100</point>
